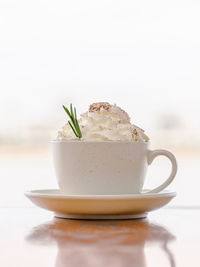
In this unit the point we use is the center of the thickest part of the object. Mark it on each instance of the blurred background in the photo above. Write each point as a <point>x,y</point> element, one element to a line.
<point>142,55</point>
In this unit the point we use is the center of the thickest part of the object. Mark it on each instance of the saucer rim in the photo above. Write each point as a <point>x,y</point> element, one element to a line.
<point>46,193</point>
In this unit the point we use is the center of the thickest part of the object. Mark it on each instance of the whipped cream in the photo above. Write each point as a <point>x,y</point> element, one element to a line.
<point>104,122</point>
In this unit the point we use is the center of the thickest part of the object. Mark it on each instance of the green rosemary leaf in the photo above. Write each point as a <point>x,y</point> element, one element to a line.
<point>71,109</point>
<point>74,122</point>
<point>78,128</point>
<point>67,111</point>
<point>73,129</point>
<point>72,115</point>
<point>75,113</point>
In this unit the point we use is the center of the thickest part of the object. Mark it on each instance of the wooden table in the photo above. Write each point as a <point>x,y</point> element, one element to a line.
<point>33,237</point>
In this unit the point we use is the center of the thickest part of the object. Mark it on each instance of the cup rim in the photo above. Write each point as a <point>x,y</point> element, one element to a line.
<point>99,142</point>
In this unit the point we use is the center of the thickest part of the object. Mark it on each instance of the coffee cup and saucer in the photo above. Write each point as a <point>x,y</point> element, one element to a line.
<point>103,180</point>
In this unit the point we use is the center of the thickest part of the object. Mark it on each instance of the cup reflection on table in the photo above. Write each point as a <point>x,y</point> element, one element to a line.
<point>102,243</point>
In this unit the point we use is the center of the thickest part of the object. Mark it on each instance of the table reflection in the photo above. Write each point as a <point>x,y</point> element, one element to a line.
<point>102,243</point>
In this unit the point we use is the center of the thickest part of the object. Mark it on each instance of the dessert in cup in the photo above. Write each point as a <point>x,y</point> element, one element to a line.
<point>101,162</point>
<point>103,153</point>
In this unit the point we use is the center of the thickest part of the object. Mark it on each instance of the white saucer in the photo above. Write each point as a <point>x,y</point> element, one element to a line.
<point>99,206</point>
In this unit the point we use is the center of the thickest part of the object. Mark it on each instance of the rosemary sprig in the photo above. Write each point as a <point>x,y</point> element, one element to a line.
<point>74,122</point>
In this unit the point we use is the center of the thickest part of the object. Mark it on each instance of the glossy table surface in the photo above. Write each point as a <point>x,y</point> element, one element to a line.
<point>33,237</point>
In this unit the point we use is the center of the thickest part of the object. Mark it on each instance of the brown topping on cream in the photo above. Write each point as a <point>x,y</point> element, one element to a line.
<point>136,127</point>
<point>97,106</point>
<point>134,132</point>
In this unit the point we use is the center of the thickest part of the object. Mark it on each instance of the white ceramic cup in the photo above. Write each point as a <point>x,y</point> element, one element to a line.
<point>105,168</point>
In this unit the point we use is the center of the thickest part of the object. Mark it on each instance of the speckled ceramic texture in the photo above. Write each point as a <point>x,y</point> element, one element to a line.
<point>104,167</point>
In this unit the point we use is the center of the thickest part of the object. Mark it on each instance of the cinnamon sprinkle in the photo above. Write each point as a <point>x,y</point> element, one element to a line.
<point>97,106</point>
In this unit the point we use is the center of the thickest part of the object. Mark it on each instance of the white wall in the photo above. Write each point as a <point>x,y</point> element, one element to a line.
<point>144,55</point>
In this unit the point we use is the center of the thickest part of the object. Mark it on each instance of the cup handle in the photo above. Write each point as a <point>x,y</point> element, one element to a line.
<point>160,152</point>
